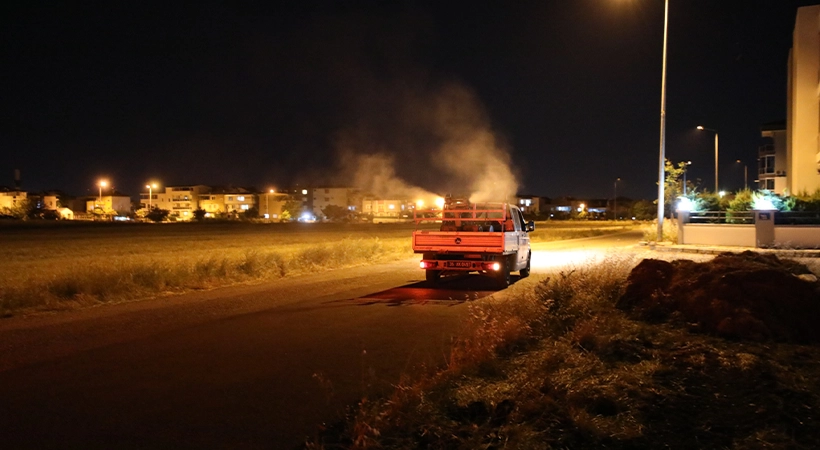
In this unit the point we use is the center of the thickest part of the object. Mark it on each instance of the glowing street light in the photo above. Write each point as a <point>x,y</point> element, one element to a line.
<point>151,188</point>
<point>716,152</point>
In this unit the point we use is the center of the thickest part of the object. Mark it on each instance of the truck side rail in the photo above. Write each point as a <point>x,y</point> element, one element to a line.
<point>481,217</point>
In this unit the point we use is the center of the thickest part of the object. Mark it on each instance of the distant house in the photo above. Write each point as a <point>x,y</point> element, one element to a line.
<point>111,203</point>
<point>530,204</point>
<point>388,210</point>
<point>11,198</point>
<point>272,204</point>
<point>180,201</point>
<point>322,197</point>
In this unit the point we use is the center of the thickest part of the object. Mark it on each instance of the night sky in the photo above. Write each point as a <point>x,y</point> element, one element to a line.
<point>266,95</point>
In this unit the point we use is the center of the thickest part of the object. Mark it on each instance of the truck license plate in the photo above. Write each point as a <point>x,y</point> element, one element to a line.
<point>459,264</point>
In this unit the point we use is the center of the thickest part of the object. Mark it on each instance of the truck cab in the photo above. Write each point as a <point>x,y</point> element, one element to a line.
<point>490,239</point>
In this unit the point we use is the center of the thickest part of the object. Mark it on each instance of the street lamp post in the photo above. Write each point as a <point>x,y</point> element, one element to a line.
<point>101,185</point>
<point>685,166</point>
<point>716,153</point>
<point>150,194</point>
<point>745,175</point>
<point>662,156</point>
<point>267,200</point>
<point>615,200</point>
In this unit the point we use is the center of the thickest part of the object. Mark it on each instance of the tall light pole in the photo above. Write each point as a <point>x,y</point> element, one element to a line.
<point>662,156</point>
<point>615,200</point>
<point>685,166</point>
<point>745,175</point>
<point>716,153</point>
<point>267,198</point>
<point>150,194</point>
<point>101,185</point>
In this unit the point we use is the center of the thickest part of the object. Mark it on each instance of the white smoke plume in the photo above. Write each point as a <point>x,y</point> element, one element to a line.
<point>470,150</point>
<point>440,138</point>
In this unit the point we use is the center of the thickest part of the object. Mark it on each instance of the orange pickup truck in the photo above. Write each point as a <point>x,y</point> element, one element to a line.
<point>488,238</point>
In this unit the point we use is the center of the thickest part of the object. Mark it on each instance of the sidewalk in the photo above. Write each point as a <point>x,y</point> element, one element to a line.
<point>717,249</point>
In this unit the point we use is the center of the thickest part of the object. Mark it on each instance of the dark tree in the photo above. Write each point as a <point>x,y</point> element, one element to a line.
<point>157,214</point>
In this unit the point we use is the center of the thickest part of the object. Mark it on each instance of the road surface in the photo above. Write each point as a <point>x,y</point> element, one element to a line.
<point>259,366</point>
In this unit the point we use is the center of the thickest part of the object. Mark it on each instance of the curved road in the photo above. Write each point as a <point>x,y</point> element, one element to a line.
<point>250,366</point>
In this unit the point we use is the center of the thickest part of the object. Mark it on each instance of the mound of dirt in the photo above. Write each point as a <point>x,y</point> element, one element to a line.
<point>747,296</point>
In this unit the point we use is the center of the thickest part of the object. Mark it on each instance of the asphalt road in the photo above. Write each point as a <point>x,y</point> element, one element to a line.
<point>258,366</point>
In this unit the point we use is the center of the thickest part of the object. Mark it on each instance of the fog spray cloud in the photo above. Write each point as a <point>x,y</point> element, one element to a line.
<point>439,138</point>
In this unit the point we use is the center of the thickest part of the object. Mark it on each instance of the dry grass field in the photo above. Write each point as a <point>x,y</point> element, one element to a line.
<point>58,265</point>
<point>55,265</point>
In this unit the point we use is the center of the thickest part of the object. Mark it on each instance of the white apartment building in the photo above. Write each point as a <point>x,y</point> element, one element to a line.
<point>181,201</point>
<point>771,158</point>
<point>803,104</point>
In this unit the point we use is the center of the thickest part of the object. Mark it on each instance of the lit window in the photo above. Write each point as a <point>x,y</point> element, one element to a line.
<point>304,191</point>
<point>521,202</point>
<point>241,198</point>
<point>184,213</point>
<point>245,207</point>
<point>527,202</point>
<point>391,206</point>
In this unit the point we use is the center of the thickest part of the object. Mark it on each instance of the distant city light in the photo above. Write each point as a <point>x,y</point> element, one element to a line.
<point>440,202</point>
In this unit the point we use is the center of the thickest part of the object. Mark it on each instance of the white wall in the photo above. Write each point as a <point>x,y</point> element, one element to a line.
<point>719,234</point>
<point>796,236</point>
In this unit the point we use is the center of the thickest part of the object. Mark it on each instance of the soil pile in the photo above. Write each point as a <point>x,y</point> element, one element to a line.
<point>747,296</point>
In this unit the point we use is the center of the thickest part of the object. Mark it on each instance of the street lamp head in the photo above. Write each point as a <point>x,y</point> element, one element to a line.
<point>103,183</point>
<point>700,127</point>
<point>272,191</point>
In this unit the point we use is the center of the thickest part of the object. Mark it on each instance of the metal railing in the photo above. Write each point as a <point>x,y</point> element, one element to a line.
<point>797,218</point>
<point>728,217</point>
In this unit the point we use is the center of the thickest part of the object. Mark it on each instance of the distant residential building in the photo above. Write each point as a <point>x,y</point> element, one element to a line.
<point>114,203</point>
<point>272,204</point>
<point>803,105</point>
<point>529,204</point>
<point>180,201</point>
<point>11,198</point>
<point>236,200</point>
<point>322,197</point>
<point>387,210</point>
<point>772,158</point>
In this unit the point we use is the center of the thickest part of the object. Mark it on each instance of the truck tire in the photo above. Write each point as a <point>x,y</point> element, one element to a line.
<point>525,272</point>
<point>432,275</point>
<point>502,278</point>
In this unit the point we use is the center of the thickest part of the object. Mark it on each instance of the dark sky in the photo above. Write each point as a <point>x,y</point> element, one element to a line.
<point>261,94</point>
